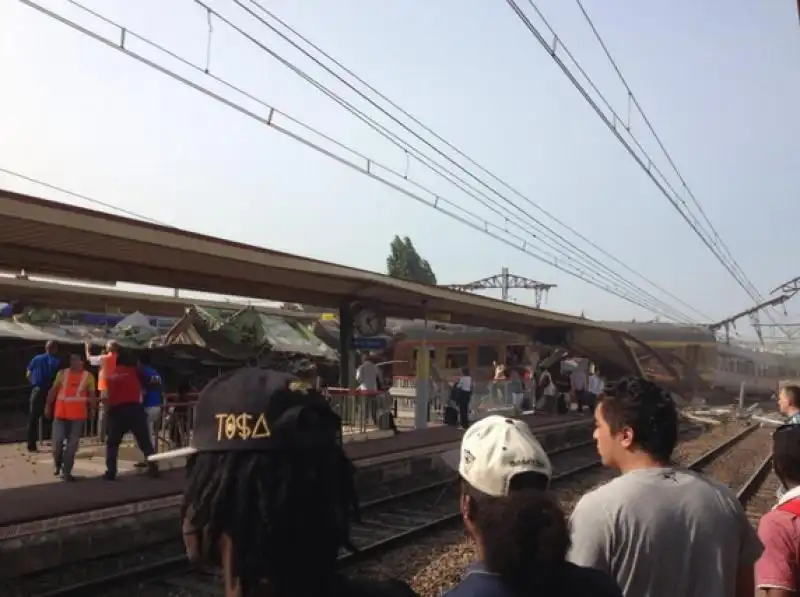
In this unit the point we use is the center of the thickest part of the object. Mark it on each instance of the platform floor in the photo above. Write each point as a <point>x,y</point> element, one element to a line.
<point>29,490</point>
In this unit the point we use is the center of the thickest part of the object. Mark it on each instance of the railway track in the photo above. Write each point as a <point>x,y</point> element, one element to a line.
<point>387,524</point>
<point>748,471</point>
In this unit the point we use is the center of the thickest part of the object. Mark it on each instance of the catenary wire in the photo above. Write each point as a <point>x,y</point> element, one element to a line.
<point>661,308</point>
<point>434,166</point>
<point>484,226</point>
<point>53,187</point>
<point>632,98</point>
<point>644,160</point>
<point>439,138</point>
<point>559,239</point>
<point>369,168</point>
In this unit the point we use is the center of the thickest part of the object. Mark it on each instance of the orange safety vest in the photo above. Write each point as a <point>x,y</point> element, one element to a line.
<point>71,402</point>
<point>107,366</point>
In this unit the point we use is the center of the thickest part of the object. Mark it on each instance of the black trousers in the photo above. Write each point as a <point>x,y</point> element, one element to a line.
<point>580,398</point>
<point>463,414</point>
<point>36,404</point>
<point>120,420</point>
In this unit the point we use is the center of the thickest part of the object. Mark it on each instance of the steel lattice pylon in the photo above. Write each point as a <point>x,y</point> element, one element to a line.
<point>505,282</point>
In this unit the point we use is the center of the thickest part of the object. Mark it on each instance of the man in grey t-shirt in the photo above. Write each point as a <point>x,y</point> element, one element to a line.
<point>660,531</point>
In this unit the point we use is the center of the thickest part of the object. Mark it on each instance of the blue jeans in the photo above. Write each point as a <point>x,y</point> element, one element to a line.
<point>35,414</point>
<point>67,432</point>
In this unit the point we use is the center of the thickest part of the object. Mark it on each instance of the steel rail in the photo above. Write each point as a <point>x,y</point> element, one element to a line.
<point>167,567</point>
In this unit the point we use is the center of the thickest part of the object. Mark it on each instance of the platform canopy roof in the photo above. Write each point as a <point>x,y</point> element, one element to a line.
<point>76,297</point>
<point>49,238</point>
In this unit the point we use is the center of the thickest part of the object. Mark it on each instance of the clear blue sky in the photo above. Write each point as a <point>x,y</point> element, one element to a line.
<point>719,80</point>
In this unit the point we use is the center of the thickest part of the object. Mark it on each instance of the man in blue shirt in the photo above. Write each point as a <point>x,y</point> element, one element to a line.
<point>41,372</point>
<point>520,532</point>
<point>151,394</point>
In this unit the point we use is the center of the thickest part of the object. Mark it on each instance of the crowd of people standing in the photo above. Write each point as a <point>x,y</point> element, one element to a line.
<point>655,530</point>
<point>126,397</point>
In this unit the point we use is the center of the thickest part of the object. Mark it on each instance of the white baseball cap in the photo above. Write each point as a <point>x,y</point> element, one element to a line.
<point>494,450</point>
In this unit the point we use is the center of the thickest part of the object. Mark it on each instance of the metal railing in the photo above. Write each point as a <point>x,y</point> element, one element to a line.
<point>360,410</point>
<point>171,429</point>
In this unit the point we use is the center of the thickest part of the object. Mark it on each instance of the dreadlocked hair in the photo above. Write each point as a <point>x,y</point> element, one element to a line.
<point>286,511</point>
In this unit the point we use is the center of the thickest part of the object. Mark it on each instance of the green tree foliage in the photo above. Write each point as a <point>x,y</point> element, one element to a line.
<point>405,263</point>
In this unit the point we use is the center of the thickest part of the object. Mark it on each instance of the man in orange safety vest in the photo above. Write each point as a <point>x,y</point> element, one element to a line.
<point>106,364</point>
<point>69,402</point>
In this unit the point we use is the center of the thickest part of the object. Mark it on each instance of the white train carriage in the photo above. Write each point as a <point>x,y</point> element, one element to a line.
<point>760,370</point>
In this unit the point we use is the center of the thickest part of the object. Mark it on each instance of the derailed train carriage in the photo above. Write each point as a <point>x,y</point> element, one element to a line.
<point>721,367</point>
<point>452,347</point>
<point>704,365</point>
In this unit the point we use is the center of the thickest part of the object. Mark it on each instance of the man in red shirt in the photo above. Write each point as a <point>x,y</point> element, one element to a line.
<point>778,570</point>
<point>126,413</point>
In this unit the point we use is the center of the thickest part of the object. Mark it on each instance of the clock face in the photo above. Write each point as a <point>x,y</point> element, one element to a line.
<point>368,323</point>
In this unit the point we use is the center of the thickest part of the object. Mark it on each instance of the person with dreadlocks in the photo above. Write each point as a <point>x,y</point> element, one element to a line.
<point>778,569</point>
<point>270,490</point>
<point>658,529</point>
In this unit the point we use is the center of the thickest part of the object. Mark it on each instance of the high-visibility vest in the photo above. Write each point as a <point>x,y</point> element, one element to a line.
<point>71,402</point>
<point>107,366</point>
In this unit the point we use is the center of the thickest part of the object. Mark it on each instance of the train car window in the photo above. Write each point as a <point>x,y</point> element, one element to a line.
<point>487,356</point>
<point>515,354</point>
<point>456,357</point>
<point>431,355</point>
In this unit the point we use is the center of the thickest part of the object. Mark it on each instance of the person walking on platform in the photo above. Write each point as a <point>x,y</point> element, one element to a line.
<point>463,396</point>
<point>41,372</point>
<point>519,529</point>
<point>549,392</point>
<point>151,394</point>
<point>125,413</point>
<point>595,387</point>
<point>270,491</point>
<point>69,403</point>
<point>368,377</point>
<point>152,399</point>
<point>777,573</point>
<point>106,363</point>
<point>577,384</point>
<point>658,529</point>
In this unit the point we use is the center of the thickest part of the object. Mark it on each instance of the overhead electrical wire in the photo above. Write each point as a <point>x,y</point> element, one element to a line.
<point>499,232</point>
<point>597,263</point>
<point>485,224</point>
<point>412,151</point>
<point>97,202</point>
<point>425,160</point>
<point>634,100</point>
<point>612,120</point>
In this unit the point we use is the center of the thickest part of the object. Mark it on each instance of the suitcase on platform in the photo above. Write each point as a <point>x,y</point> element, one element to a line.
<point>450,415</point>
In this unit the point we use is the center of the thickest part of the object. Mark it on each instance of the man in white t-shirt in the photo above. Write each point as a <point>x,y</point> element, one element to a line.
<point>594,389</point>
<point>368,377</point>
<point>463,396</point>
<point>657,529</point>
<point>577,383</point>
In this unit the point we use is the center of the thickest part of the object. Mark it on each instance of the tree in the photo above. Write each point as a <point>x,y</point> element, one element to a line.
<point>405,263</point>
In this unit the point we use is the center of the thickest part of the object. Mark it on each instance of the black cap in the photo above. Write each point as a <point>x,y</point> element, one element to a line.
<point>257,409</point>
